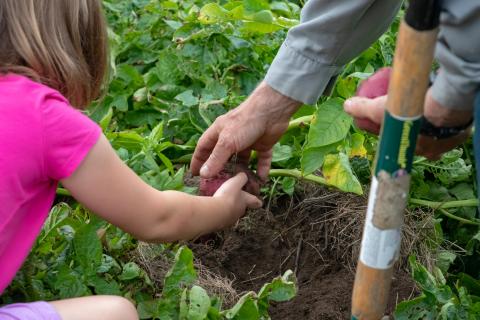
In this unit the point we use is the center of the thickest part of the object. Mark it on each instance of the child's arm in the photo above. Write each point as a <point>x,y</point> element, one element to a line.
<point>105,185</point>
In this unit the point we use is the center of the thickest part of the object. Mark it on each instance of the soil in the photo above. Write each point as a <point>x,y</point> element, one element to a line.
<point>293,236</point>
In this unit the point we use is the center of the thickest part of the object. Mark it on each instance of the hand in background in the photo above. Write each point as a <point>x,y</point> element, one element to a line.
<point>369,111</point>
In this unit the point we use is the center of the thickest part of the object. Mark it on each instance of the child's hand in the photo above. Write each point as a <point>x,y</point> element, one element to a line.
<point>236,200</point>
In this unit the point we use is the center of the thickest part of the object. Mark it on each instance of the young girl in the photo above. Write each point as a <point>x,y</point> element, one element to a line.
<point>52,62</point>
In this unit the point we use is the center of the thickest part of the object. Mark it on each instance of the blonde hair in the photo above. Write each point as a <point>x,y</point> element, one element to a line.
<point>61,43</point>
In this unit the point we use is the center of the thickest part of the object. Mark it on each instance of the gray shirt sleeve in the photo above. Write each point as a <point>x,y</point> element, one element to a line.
<point>330,34</point>
<point>458,53</point>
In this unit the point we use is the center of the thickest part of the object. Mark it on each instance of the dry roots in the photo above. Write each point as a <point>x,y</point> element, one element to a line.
<point>339,219</point>
<point>157,266</point>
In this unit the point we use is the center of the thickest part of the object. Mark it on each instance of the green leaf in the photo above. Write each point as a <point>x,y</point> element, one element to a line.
<point>129,74</point>
<point>212,13</point>
<point>330,124</point>
<point>166,162</point>
<point>346,87</point>
<point>56,217</point>
<point>68,284</point>
<point>470,283</point>
<point>288,185</point>
<point>418,308</point>
<point>104,287</point>
<point>147,309</point>
<point>181,274</point>
<point>105,121</point>
<point>140,95</point>
<point>128,140</point>
<point>281,7</point>
<point>281,152</point>
<point>337,172</point>
<point>130,271</point>
<point>361,168</point>
<point>428,283</point>
<point>280,289</point>
<point>287,23</point>
<point>199,303</point>
<point>245,309</point>
<point>183,314</point>
<point>120,102</point>
<point>472,242</point>
<point>88,248</point>
<point>313,158</point>
<point>187,98</point>
<point>445,259</point>
<point>264,16</point>
<point>157,134</point>
<point>255,5</point>
<point>449,311</point>
<point>259,27</point>
<point>462,191</point>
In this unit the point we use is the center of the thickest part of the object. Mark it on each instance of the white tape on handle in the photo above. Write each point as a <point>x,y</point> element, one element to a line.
<point>380,248</point>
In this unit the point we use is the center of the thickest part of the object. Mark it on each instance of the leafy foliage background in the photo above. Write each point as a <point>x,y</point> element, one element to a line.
<point>175,67</point>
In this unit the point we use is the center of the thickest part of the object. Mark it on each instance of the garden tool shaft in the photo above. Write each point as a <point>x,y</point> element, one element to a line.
<point>391,176</point>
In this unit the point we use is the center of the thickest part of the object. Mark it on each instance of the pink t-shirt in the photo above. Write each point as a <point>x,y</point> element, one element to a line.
<point>42,140</point>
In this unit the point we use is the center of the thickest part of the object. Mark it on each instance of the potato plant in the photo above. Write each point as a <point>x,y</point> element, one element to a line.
<point>176,66</point>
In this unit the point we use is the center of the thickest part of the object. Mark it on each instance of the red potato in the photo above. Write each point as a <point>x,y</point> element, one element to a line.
<point>373,87</point>
<point>376,85</point>
<point>208,187</point>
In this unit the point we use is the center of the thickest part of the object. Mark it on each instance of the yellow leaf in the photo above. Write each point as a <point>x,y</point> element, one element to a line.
<point>338,173</point>
<point>358,150</point>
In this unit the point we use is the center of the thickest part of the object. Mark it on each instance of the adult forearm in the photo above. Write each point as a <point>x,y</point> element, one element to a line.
<point>330,34</point>
<point>458,53</point>
<point>442,116</point>
<point>270,104</point>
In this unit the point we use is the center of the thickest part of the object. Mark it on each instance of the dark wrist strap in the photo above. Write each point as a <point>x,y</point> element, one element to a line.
<point>430,130</point>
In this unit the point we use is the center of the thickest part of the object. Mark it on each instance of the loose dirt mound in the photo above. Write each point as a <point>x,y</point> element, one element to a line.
<point>316,234</point>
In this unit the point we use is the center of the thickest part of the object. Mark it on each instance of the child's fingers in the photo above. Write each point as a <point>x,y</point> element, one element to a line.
<point>252,201</point>
<point>233,184</point>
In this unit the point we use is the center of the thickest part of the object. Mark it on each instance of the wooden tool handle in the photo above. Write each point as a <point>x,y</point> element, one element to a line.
<point>391,181</point>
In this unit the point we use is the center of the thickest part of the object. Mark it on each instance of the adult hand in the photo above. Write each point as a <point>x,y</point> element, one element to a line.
<point>257,124</point>
<point>368,114</point>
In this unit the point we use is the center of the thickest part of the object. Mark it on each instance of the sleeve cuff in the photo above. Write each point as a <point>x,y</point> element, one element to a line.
<point>298,76</point>
<point>449,96</point>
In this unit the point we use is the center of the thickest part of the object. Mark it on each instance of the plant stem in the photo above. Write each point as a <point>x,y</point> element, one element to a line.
<point>63,192</point>
<point>452,216</point>
<point>445,205</point>
<point>441,206</point>
<point>301,121</point>
<point>297,174</point>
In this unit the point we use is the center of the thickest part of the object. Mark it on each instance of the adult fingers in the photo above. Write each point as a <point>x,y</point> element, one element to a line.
<point>222,151</point>
<point>244,156</point>
<point>204,147</point>
<point>251,201</point>
<point>263,163</point>
<point>365,108</point>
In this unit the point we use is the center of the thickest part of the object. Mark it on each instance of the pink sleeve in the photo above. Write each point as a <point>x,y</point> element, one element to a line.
<point>68,137</point>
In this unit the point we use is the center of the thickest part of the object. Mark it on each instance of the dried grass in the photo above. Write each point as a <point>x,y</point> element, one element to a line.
<point>340,221</point>
<point>157,265</point>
